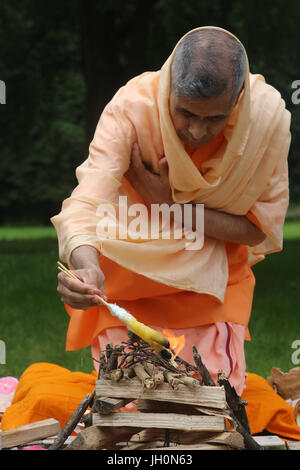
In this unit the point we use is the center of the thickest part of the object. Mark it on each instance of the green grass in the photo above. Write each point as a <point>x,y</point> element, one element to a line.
<point>33,321</point>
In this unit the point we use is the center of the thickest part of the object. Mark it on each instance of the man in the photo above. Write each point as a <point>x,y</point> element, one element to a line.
<point>202,130</point>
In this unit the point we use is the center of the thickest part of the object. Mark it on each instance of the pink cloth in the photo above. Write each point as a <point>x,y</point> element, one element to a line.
<point>221,346</point>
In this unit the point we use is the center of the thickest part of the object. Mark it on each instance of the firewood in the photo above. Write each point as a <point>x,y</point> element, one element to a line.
<point>139,446</point>
<point>30,433</point>
<point>95,437</point>
<point>154,372</point>
<point>112,361</point>
<point>172,379</point>
<point>202,446</point>
<point>211,397</point>
<point>144,377</point>
<point>161,406</point>
<point>189,381</point>
<point>128,372</point>
<point>102,366</point>
<point>106,406</point>
<point>206,377</point>
<point>235,406</point>
<point>116,374</point>
<point>162,420</point>
<point>236,403</point>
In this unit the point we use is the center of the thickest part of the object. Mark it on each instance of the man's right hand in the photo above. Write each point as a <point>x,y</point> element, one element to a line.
<point>82,294</point>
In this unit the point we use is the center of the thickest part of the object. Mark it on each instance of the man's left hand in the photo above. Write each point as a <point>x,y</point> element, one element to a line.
<point>153,188</point>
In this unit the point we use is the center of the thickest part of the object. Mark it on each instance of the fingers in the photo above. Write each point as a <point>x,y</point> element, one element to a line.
<point>136,157</point>
<point>163,168</point>
<point>78,294</point>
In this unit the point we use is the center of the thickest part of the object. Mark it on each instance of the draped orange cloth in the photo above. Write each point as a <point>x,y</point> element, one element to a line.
<point>165,305</point>
<point>50,391</point>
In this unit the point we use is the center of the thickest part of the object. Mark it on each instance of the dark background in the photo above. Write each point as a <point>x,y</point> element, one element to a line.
<point>62,61</point>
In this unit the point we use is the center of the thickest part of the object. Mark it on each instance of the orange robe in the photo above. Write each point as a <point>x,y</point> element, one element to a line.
<point>160,305</point>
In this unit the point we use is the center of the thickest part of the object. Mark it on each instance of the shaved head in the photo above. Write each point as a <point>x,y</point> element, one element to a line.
<point>208,63</point>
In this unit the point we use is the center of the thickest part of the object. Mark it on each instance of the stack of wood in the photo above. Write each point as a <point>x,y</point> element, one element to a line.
<point>178,405</point>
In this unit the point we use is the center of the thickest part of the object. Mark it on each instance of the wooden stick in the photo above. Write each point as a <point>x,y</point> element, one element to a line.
<point>206,377</point>
<point>71,424</point>
<point>144,377</point>
<point>235,402</point>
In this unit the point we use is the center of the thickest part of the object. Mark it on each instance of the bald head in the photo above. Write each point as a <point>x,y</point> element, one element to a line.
<point>208,63</point>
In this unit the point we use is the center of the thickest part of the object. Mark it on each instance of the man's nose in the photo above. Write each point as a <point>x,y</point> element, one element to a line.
<point>197,130</point>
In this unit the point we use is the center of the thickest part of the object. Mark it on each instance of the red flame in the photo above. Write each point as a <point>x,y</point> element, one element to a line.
<point>176,342</point>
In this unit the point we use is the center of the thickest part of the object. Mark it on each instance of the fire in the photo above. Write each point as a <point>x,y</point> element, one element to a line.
<point>176,342</point>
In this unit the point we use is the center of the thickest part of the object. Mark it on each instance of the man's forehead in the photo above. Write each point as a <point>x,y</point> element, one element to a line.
<point>221,105</point>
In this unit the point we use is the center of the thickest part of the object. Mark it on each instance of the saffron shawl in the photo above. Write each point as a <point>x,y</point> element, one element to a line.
<point>249,172</point>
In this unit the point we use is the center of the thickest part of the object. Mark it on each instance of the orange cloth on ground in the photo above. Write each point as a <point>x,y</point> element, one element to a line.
<point>50,391</point>
<point>47,391</point>
<point>266,410</point>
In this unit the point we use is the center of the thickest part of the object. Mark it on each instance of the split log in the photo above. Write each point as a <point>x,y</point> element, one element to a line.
<point>154,406</point>
<point>202,446</point>
<point>94,438</point>
<point>230,438</point>
<point>211,397</point>
<point>162,420</point>
<point>30,433</point>
<point>234,401</point>
<point>106,406</point>
<point>231,395</point>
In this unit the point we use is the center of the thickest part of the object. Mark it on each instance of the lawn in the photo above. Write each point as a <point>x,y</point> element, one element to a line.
<point>33,321</point>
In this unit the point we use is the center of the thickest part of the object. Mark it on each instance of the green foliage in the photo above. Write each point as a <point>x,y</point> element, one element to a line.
<point>63,61</point>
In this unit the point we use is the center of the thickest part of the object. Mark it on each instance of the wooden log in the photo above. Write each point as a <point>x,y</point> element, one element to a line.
<point>202,446</point>
<point>155,373</point>
<point>94,438</point>
<point>139,446</point>
<point>163,407</point>
<point>144,377</point>
<point>30,432</point>
<point>106,406</point>
<point>116,374</point>
<point>211,397</point>
<point>230,438</point>
<point>162,420</point>
<point>293,445</point>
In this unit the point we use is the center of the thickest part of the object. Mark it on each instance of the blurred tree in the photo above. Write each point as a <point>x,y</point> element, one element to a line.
<point>63,61</point>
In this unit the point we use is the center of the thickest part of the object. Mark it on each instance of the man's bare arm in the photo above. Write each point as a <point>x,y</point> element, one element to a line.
<point>231,228</point>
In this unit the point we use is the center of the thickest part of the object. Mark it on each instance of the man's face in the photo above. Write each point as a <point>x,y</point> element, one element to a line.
<point>198,121</point>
